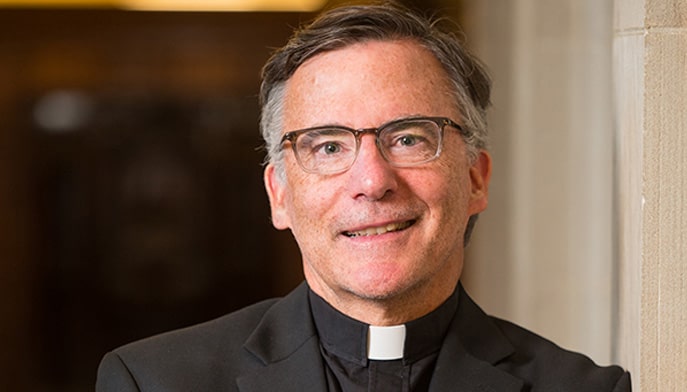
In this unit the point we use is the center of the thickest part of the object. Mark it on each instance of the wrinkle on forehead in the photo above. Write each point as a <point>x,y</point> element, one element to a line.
<point>381,78</point>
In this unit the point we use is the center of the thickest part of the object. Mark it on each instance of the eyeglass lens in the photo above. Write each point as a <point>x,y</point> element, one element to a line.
<point>403,143</point>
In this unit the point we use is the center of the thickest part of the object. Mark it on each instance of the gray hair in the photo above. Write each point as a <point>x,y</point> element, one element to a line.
<point>345,26</point>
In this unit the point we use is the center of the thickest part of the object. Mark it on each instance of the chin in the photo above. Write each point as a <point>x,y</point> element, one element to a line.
<point>380,290</point>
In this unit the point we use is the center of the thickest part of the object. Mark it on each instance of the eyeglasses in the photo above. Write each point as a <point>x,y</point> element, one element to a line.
<point>405,142</point>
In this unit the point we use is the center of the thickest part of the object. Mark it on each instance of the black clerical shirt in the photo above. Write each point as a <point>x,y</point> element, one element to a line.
<point>344,342</point>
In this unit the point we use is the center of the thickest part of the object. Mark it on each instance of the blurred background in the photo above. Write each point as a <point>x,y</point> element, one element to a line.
<point>131,197</point>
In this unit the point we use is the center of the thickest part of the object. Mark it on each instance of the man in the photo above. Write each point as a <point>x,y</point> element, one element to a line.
<point>374,122</point>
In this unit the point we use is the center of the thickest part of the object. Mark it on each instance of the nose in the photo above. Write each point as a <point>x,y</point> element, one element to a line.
<point>371,177</point>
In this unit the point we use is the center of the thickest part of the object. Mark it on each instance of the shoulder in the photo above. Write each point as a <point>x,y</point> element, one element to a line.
<point>208,354</point>
<point>546,366</point>
<point>539,363</point>
<point>227,330</point>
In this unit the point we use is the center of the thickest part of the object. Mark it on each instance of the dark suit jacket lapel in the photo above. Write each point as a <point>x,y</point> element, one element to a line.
<point>472,348</point>
<point>287,344</point>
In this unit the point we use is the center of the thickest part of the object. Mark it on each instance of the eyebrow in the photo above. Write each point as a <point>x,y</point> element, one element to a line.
<point>337,125</point>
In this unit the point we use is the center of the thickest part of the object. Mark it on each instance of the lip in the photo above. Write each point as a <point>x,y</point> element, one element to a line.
<point>379,229</point>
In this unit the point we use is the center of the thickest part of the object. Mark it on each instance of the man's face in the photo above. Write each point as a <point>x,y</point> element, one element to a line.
<point>411,219</point>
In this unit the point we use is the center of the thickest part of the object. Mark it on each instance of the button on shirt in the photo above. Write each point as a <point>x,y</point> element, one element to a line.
<point>344,346</point>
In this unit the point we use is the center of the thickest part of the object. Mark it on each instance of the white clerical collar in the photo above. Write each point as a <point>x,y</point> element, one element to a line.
<point>386,343</point>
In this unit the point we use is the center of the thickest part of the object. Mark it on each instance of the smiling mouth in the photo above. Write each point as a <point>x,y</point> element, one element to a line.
<point>391,227</point>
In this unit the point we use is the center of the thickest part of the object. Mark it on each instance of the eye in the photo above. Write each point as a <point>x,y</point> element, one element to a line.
<point>326,142</point>
<point>329,148</point>
<point>407,140</point>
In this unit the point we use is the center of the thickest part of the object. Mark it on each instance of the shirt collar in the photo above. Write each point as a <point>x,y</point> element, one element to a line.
<point>347,338</point>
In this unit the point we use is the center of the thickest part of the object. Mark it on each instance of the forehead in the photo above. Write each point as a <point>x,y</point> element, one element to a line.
<point>367,84</point>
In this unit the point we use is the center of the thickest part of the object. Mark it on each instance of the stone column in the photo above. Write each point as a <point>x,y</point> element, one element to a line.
<point>650,71</point>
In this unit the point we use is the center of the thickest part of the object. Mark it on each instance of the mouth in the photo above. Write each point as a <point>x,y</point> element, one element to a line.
<point>370,231</point>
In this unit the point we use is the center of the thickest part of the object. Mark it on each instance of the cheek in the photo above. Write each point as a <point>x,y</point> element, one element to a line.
<point>447,195</point>
<point>308,203</point>
<point>447,180</point>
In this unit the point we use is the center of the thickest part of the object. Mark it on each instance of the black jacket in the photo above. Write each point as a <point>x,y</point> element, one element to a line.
<point>273,346</point>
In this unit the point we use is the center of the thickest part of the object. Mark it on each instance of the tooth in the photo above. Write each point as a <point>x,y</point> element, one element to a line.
<point>380,230</point>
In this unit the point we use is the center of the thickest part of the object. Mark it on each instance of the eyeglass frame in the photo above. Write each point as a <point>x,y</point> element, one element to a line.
<point>441,122</point>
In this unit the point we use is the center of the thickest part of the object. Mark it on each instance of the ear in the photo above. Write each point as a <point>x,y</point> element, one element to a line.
<point>276,192</point>
<point>480,173</point>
